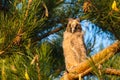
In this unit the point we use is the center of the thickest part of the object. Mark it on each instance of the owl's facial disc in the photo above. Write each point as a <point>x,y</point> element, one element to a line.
<point>74,26</point>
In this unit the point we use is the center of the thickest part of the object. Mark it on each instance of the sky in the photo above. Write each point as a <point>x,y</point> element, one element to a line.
<point>96,37</point>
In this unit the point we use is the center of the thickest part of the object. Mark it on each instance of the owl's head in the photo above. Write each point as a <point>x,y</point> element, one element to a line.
<point>73,25</point>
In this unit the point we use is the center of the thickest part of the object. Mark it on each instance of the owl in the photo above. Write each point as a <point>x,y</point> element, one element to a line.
<point>73,44</point>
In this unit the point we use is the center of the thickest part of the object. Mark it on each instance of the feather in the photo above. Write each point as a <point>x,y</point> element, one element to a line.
<point>73,44</point>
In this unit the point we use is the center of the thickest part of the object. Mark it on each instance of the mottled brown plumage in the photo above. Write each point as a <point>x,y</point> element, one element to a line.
<point>73,44</point>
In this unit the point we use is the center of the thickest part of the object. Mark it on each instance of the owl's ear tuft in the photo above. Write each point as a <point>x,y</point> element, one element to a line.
<point>70,19</point>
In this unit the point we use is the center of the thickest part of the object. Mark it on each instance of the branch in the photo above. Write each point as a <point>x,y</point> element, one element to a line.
<point>84,67</point>
<point>112,71</point>
<point>47,34</point>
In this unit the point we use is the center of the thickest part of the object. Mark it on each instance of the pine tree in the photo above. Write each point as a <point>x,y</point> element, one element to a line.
<point>24,54</point>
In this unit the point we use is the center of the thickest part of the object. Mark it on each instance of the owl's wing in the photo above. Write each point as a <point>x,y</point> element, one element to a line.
<point>71,59</point>
<point>78,45</point>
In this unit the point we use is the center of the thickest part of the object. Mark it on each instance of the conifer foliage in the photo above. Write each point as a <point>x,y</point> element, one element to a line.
<point>26,53</point>
<point>21,56</point>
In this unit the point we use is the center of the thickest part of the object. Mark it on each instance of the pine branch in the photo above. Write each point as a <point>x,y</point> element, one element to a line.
<point>112,71</point>
<point>84,68</point>
<point>47,34</point>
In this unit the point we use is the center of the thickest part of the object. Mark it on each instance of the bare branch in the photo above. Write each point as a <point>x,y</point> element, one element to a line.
<point>47,34</point>
<point>112,71</point>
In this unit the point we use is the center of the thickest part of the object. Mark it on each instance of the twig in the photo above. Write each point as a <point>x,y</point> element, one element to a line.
<point>112,71</point>
<point>46,10</point>
<point>47,34</point>
<point>1,52</point>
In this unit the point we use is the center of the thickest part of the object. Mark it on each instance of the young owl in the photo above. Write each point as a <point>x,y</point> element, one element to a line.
<point>73,44</point>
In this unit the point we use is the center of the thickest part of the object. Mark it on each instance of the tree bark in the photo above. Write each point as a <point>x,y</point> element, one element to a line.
<point>84,67</point>
<point>47,34</point>
<point>112,71</point>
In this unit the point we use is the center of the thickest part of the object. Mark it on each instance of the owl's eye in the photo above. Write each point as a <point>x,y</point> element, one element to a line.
<point>70,25</point>
<point>76,27</point>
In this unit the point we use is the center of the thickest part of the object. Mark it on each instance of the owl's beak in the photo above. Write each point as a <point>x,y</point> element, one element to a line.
<point>73,30</point>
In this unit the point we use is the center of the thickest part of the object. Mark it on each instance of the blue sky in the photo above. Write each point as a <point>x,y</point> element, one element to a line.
<point>94,35</point>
